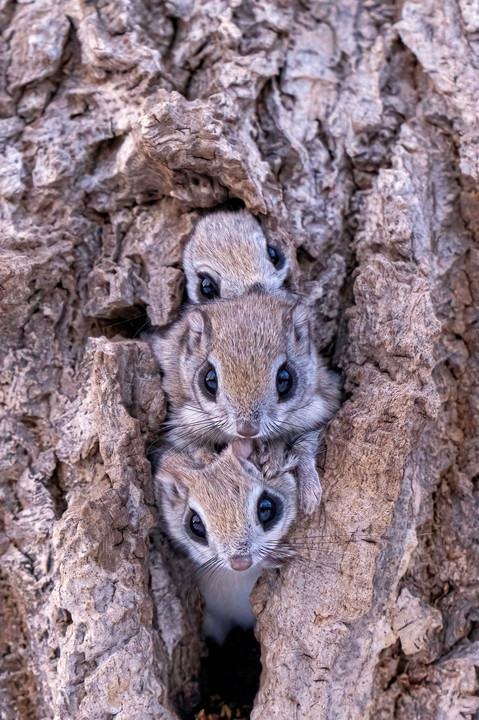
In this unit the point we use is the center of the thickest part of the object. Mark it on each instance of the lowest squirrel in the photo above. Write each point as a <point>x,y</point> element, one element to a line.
<point>248,369</point>
<point>219,509</point>
<point>228,254</point>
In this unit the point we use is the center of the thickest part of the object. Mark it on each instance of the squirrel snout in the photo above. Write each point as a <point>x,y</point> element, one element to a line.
<point>247,429</point>
<point>241,562</point>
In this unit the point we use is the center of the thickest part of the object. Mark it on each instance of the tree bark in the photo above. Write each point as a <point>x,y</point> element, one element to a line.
<point>350,130</point>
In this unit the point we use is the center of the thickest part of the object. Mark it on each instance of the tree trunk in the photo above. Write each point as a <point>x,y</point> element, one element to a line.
<point>350,129</point>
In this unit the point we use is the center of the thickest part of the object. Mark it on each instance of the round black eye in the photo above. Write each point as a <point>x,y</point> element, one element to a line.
<point>208,288</point>
<point>284,382</point>
<point>211,382</point>
<point>266,510</point>
<point>276,257</point>
<point>197,527</point>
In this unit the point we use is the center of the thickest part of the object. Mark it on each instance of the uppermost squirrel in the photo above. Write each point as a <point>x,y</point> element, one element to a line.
<point>245,368</point>
<point>228,255</point>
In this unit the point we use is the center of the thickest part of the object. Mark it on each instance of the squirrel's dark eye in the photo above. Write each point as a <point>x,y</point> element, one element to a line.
<point>196,526</point>
<point>266,510</point>
<point>284,382</point>
<point>276,257</point>
<point>211,381</point>
<point>208,288</point>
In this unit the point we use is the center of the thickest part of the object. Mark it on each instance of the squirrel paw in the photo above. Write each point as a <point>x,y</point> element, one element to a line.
<point>267,469</point>
<point>310,499</point>
<point>310,490</point>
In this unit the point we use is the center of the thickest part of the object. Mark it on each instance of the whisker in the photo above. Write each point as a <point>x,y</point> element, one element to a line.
<point>330,569</point>
<point>122,322</point>
<point>206,567</point>
<point>215,568</point>
<point>143,326</point>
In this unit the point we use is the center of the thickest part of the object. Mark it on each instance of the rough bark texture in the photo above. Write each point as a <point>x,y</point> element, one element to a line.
<point>350,128</point>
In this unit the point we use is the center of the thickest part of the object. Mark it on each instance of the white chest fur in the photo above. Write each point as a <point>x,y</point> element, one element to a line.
<point>226,593</point>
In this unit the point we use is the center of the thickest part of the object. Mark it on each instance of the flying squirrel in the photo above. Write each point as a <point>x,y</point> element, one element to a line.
<point>231,521</point>
<point>227,255</point>
<point>248,369</point>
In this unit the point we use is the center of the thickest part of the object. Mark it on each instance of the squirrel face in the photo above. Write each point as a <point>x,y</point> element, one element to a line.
<point>221,512</point>
<point>244,368</point>
<point>228,255</point>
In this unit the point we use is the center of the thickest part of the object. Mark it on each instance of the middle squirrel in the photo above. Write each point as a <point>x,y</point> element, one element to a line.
<point>247,369</point>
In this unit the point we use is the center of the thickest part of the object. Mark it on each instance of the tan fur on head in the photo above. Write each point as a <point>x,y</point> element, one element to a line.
<point>247,341</point>
<point>229,247</point>
<point>224,492</point>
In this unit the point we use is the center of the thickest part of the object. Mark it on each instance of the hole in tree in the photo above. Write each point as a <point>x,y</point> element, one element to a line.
<point>217,682</point>
<point>233,204</point>
<point>229,677</point>
<point>57,489</point>
<point>129,323</point>
<point>303,257</point>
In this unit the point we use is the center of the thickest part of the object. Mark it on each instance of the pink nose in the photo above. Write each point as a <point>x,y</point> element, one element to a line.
<point>247,430</point>
<point>241,562</point>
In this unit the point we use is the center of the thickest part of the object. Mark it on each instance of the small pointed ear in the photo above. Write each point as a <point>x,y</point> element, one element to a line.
<point>196,322</point>
<point>249,467</point>
<point>301,325</point>
<point>170,487</point>
<point>239,450</point>
<point>198,328</point>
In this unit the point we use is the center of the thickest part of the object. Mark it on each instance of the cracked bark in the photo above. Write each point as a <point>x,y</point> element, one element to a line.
<point>350,130</point>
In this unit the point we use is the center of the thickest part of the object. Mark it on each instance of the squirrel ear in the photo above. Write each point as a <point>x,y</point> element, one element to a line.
<point>197,327</point>
<point>172,489</point>
<point>249,467</point>
<point>301,325</point>
<point>196,322</point>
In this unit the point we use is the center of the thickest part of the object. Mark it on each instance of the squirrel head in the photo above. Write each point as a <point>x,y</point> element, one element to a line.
<point>220,510</point>
<point>245,368</point>
<point>228,255</point>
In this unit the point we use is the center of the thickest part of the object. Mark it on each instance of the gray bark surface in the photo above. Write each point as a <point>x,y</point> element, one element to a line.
<point>350,129</point>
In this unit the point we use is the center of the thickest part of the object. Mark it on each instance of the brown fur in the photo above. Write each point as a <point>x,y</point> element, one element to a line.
<point>224,492</point>
<point>246,340</point>
<point>219,488</point>
<point>230,247</point>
